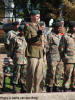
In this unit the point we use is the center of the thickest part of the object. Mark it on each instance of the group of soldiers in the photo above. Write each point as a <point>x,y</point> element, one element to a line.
<point>38,59</point>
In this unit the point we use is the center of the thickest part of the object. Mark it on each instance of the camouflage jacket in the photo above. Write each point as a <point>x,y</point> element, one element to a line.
<point>9,35</point>
<point>67,48</point>
<point>8,40</point>
<point>53,43</point>
<point>19,46</point>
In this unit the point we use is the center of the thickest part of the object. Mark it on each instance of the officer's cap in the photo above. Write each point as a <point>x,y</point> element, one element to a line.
<point>57,24</point>
<point>21,28</point>
<point>42,23</point>
<point>72,24</point>
<point>15,23</point>
<point>34,12</point>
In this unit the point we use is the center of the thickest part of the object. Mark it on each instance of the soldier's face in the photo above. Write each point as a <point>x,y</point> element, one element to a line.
<point>22,32</point>
<point>35,18</point>
<point>72,29</point>
<point>58,29</point>
<point>42,28</point>
<point>62,23</point>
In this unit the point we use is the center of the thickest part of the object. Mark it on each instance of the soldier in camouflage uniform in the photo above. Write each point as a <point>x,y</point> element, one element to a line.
<point>9,35</point>
<point>53,59</point>
<point>20,62</point>
<point>67,48</point>
<point>44,43</point>
<point>1,78</point>
<point>34,53</point>
<point>63,31</point>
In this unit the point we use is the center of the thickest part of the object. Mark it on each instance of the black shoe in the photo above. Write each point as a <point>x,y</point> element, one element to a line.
<point>23,88</point>
<point>67,90</point>
<point>56,89</point>
<point>1,90</point>
<point>48,89</point>
<point>61,89</point>
<point>51,89</point>
<point>15,90</point>
<point>73,89</point>
<point>23,91</point>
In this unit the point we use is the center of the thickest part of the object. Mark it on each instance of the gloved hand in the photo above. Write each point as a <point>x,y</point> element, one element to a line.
<point>39,32</point>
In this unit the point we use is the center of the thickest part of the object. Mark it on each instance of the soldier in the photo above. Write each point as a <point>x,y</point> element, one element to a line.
<point>67,48</point>
<point>44,43</point>
<point>1,78</point>
<point>53,59</point>
<point>63,31</point>
<point>34,53</point>
<point>19,72</point>
<point>11,34</point>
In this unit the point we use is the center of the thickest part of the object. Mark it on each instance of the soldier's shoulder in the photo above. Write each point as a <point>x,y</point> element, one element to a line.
<point>10,32</point>
<point>66,35</point>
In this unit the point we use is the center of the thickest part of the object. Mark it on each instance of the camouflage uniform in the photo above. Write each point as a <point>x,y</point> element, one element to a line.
<point>53,60</point>
<point>44,43</point>
<point>19,60</point>
<point>1,77</point>
<point>8,40</point>
<point>67,48</point>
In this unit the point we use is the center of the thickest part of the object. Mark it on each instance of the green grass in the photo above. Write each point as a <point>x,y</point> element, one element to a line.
<point>9,86</point>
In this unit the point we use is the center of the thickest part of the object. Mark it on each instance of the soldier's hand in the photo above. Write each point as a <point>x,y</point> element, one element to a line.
<point>39,32</point>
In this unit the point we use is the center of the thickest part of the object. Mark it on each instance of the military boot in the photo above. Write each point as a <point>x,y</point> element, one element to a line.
<point>15,89</point>
<point>73,89</point>
<point>67,90</point>
<point>56,89</point>
<point>51,89</point>
<point>48,89</point>
<point>61,89</point>
<point>23,90</point>
<point>1,90</point>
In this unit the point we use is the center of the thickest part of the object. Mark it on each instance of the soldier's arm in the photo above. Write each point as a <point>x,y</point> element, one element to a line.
<point>49,42</point>
<point>12,47</point>
<point>62,47</point>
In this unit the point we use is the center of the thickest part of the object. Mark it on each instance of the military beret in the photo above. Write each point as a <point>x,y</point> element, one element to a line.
<point>72,24</point>
<point>21,27</point>
<point>42,23</point>
<point>61,19</point>
<point>15,23</point>
<point>56,24</point>
<point>34,12</point>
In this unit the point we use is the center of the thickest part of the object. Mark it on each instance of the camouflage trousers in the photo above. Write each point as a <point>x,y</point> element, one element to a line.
<point>34,74</point>
<point>19,74</point>
<point>42,84</point>
<point>69,76</point>
<point>1,76</point>
<point>52,76</point>
<point>60,70</point>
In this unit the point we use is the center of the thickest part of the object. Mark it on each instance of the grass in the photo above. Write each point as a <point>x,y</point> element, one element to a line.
<point>8,86</point>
